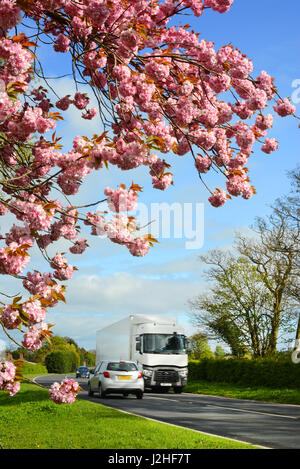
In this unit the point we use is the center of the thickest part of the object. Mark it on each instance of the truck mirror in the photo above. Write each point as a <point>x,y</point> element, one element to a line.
<point>138,346</point>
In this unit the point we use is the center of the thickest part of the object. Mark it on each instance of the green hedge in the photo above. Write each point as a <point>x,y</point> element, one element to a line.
<point>61,362</point>
<point>255,372</point>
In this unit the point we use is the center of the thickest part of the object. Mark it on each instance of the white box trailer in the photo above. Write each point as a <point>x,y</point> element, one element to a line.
<point>157,343</point>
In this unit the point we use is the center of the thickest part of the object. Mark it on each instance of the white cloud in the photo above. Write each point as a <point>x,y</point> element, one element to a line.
<point>125,292</point>
<point>94,302</point>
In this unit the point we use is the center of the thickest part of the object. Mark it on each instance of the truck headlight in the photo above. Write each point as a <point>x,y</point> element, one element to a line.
<point>147,373</point>
<point>183,373</point>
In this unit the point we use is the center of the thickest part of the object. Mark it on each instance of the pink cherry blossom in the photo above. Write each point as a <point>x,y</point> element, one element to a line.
<point>270,145</point>
<point>33,337</point>
<point>203,164</point>
<point>62,270</point>
<point>63,103</point>
<point>7,378</point>
<point>264,122</point>
<point>10,317</point>
<point>81,100</point>
<point>162,182</point>
<point>139,247</point>
<point>10,15</point>
<point>79,246</point>
<point>34,311</point>
<point>121,199</point>
<point>284,107</point>
<point>64,392</point>
<point>62,43</point>
<point>218,198</point>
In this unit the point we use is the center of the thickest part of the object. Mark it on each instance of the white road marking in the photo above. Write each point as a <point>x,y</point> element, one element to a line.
<point>231,408</point>
<point>255,412</point>
<point>163,398</point>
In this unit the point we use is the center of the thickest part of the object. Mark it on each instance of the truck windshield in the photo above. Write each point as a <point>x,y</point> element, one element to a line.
<point>164,343</point>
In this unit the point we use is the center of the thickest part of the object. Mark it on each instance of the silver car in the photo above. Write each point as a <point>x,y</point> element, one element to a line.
<point>116,377</point>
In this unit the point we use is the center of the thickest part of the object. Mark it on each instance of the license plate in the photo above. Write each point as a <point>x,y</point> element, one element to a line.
<point>124,377</point>
<point>165,384</point>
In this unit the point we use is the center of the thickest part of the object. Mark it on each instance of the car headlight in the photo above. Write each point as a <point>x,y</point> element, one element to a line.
<point>147,373</point>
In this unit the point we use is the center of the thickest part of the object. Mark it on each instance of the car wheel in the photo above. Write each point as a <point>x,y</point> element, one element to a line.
<point>90,392</point>
<point>101,392</point>
<point>139,395</point>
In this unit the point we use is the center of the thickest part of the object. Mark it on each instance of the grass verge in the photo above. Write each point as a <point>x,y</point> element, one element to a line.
<point>29,420</point>
<point>280,396</point>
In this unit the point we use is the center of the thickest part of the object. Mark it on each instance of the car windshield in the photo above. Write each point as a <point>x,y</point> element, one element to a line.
<point>82,368</point>
<point>164,343</point>
<point>120,366</point>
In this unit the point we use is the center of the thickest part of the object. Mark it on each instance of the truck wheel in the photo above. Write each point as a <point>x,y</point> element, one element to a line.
<point>139,395</point>
<point>155,389</point>
<point>178,389</point>
<point>90,392</point>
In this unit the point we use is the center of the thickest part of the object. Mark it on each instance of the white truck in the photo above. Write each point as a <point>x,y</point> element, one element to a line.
<point>157,344</point>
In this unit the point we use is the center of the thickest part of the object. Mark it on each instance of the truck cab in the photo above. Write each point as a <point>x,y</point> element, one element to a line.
<point>162,356</point>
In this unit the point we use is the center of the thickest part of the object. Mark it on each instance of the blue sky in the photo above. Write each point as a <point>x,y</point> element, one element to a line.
<point>110,283</point>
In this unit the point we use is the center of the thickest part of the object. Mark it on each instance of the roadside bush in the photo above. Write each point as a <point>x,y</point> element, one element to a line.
<point>197,369</point>
<point>56,362</point>
<point>62,361</point>
<point>255,372</point>
<point>74,358</point>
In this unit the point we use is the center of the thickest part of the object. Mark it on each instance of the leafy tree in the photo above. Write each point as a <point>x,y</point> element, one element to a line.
<point>255,297</point>
<point>275,255</point>
<point>239,307</point>
<point>288,208</point>
<point>71,341</point>
<point>86,357</point>
<point>219,351</point>
<point>63,344</point>
<point>199,347</point>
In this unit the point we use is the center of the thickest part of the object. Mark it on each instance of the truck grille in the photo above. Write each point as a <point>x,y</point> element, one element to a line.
<point>166,376</point>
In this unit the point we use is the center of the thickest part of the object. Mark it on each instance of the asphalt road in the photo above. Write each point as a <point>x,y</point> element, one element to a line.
<point>274,426</point>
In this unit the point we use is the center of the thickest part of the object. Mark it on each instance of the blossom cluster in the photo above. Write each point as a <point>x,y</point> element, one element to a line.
<point>64,392</point>
<point>120,200</point>
<point>7,378</point>
<point>121,229</point>
<point>35,336</point>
